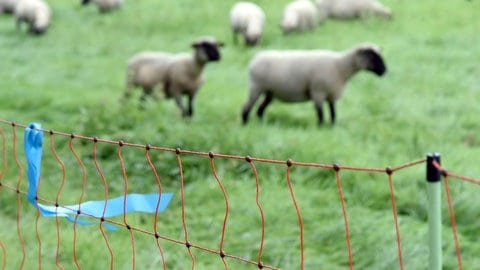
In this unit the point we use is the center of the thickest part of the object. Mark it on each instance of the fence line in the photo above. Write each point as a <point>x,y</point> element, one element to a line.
<point>219,251</point>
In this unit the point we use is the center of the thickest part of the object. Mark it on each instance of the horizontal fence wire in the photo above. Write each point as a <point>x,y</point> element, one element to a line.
<point>161,241</point>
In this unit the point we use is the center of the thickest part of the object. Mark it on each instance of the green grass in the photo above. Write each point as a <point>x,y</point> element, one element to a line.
<point>71,80</point>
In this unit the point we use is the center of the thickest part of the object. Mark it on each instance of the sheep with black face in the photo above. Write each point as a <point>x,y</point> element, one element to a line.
<point>180,74</point>
<point>303,75</point>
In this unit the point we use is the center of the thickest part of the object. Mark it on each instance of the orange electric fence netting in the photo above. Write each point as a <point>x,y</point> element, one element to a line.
<point>76,159</point>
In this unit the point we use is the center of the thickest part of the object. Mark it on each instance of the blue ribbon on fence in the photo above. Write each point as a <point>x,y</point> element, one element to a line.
<point>146,203</point>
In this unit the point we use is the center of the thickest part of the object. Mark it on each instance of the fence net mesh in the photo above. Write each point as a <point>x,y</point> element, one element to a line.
<point>222,222</point>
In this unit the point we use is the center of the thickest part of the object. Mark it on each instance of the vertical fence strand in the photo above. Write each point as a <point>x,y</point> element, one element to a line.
<point>4,253</point>
<point>2,173</point>
<point>107,196</point>
<point>160,192</point>
<point>184,220</point>
<point>260,209</point>
<point>299,215</point>
<point>453,222</point>
<point>344,212</point>
<point>39,240</point>
<point>19,198</point>
<point>125,179</point>
<point>57,197</point>
<point>80,200</point>
<point>395,217</point>
<point>4,155</point>
<point>224,226</point>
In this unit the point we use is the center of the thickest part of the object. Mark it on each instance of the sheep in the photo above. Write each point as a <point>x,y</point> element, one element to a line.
<point>303,75</point>
<point>7,6</point>
<point>179,73</point>
<point>299,15</point>
<point>349,9</point>
<point>105,5</point>
<point>247,19</point>
<point>36,13</point>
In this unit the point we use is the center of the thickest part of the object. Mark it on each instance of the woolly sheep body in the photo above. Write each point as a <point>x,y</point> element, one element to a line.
<point>248,19</point>
<point>34,12</point>
<point>299,15</point>
<point>180,74</point>
<point>7,6</point>
<point>147,70</point>
<point>303,75</point>
<point>347,9</point>
<point>105,5</point>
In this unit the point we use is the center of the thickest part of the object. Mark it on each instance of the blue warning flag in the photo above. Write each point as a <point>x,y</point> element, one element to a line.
<point>133,202</point>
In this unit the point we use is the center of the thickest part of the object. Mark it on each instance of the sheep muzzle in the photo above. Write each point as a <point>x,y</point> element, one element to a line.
<point>212,52</point>
<point>375,63</point>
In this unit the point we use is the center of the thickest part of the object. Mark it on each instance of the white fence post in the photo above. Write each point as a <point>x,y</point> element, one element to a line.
<point>434,185</point>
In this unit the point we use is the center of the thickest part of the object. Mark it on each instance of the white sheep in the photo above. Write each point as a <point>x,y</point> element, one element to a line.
<point>248,19</point>
<point>7,6</point>
<point>299,15</point>
<point>348,9</point>
<point>180,74</point>
<point>105,5</point>
<point>303,75</point>
<point>36,13</point>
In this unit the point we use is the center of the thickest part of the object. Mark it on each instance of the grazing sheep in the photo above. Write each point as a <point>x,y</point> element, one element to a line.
<point>36,13</point>
<point>7,6</point>
<point>349,9</point>
<point>247,19</point>
<point>318,75</point>
<point>179,73</point>
<point>105,5</point>
<point>299,15</point>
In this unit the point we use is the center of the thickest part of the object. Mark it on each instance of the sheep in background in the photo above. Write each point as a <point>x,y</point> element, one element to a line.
<point>301,75</point>
<point>147,70</point>
<point>349,9</point>
<point>248,19</point>
<point>105,5</point>
<point>180,74</point>
<point>36,13</point>
<point>7,6</point>
<point>299,15</point>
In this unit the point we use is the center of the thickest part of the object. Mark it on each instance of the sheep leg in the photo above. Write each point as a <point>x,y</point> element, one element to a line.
<point>128,91</point>
<point>261,109</point>
<point>319,108</point>
<point>331,104</point>
<point>254,95</point>
<point>178,100</point>
<point>147,91</point>
<point>190,105</point>
<point>318,97</point>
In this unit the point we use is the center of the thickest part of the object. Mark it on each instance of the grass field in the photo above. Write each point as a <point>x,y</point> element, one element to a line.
<point>72,78</point>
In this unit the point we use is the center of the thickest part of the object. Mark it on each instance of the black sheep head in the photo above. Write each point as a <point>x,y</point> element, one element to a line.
<point>371,59</point>
<point>207,49</point>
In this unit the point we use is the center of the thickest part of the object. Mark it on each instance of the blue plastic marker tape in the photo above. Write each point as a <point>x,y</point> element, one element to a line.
<point>146,203</point>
